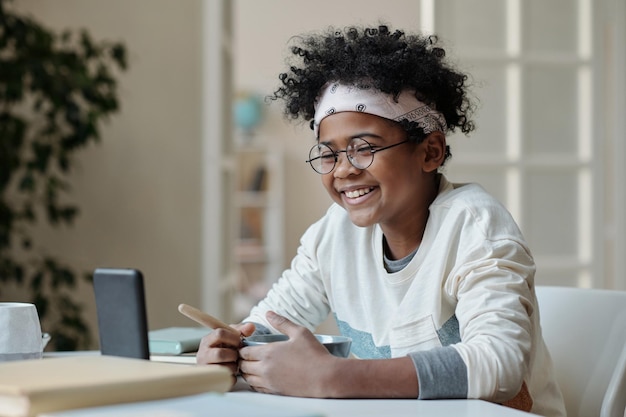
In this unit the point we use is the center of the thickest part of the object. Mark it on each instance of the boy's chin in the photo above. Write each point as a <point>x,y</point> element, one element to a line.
<point>361,220</point>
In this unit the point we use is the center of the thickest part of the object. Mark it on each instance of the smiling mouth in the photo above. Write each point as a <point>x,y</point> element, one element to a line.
<point>358,193</point>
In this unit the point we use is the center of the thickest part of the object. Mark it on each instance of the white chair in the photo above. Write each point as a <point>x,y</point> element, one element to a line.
<point>585,331</point>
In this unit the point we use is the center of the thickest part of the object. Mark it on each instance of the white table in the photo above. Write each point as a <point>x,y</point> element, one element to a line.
<point>200,406</point>
<point>384,408</point>
<point>251,404</point>
<point>378,408</point>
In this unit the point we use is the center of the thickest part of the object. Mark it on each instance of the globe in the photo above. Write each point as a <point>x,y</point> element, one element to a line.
<point>247,112</point>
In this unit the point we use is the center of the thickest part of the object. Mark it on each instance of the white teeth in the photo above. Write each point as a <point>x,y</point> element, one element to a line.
<point>357,193</point>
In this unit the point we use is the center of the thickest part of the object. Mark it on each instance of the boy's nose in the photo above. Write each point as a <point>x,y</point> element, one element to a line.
<point>343,166</point>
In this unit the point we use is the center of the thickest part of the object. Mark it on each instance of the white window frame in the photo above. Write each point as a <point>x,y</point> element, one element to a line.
<point>601,258</point>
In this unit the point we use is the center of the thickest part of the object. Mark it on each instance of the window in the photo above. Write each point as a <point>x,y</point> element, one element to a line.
<point>538,145</point>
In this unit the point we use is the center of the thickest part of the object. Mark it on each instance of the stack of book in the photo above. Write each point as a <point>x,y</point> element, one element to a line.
<point>32,387</point>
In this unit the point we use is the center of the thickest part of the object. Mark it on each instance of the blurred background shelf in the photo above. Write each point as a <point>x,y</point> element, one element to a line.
<point>258,210</point>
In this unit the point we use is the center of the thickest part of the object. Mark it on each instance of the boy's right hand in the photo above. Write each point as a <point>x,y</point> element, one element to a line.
<point>221,347</point>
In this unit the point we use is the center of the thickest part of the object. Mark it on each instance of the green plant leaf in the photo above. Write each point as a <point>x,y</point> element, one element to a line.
<point>118,52</point>
<point>41,302</point>
<point>28,182</point>
<point>36,281</point>
<point>68,214</point>
<point>28,213</point>
<point>64,84</point>
<point>42,154</point>
<point>63,277</point>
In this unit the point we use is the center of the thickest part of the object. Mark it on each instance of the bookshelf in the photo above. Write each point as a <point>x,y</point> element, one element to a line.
<point>258,212</point>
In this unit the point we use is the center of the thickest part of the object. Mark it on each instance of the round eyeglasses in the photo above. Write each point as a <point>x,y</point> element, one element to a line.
<point>359,152</point>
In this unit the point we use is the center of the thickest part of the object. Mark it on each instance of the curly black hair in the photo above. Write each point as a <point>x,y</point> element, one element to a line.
<point>390,60</point>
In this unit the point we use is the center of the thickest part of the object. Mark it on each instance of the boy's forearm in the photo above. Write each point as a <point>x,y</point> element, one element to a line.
<point>374,378</point>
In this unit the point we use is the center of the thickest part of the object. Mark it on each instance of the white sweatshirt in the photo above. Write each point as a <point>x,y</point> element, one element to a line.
<point>464,308</point>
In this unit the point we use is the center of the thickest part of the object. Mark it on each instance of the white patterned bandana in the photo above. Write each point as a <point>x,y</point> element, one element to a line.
<point>336,97</point>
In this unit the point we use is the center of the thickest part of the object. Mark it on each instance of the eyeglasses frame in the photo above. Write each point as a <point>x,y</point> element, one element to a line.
<point>336,154</point>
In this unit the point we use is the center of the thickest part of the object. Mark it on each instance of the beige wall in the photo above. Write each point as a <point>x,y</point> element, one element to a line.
<point>139,190</point>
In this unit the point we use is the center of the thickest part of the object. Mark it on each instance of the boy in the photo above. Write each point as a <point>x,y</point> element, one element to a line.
<point>433,281</point>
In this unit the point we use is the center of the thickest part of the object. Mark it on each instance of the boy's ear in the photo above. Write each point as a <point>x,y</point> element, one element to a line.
<point>434,151</point>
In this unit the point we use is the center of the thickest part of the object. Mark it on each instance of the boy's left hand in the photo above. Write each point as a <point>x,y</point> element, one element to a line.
<point>299,366</point>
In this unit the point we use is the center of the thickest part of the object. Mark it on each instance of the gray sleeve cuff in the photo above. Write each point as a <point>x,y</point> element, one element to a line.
<point>441,373</point>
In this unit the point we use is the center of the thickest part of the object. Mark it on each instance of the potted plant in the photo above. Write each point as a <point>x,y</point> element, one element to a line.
<point>56,89</point>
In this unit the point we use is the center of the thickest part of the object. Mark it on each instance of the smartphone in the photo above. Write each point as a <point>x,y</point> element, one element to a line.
<point>121,311</point>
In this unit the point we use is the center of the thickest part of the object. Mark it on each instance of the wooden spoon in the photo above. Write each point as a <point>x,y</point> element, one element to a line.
<point>205,319</point>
